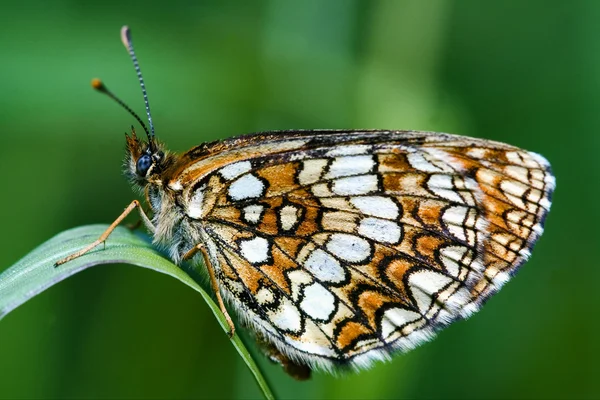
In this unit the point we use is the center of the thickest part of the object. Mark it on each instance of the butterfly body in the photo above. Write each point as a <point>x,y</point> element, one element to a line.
<point>340,247</point>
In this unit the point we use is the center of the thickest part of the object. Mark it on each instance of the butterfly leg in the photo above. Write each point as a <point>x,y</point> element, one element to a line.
<point>134,226</point>
<point>294,369</point>
<point>138,223</point>
<point>134,204</point>
<point>213,282</point>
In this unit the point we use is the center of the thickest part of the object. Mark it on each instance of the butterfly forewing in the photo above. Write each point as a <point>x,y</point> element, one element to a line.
<point>340,247</point>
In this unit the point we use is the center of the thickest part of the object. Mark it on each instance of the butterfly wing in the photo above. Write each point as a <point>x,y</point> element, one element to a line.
<point>340,247</point>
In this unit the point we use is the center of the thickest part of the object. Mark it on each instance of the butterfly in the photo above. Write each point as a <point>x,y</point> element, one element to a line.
<point>338,248</point>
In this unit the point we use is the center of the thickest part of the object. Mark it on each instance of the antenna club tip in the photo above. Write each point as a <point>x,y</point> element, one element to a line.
<point>97,84</point>
<point>126,36</point>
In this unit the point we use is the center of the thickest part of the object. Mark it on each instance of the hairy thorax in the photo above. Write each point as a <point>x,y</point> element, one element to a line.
<point>174,231</point>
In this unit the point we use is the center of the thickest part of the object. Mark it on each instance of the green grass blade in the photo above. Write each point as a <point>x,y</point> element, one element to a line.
<point>35,272</point>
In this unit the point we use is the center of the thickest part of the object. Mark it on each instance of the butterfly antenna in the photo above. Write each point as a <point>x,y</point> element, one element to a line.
<point>126,39</point>
<point>99,86</point>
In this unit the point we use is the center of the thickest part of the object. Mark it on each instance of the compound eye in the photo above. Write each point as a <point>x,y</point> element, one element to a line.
<point>143,165</point>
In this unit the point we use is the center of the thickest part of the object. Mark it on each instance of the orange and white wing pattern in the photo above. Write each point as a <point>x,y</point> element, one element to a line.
<point>340,247</point>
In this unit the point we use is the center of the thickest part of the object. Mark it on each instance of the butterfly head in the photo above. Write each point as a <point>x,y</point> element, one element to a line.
<point>145,161</point>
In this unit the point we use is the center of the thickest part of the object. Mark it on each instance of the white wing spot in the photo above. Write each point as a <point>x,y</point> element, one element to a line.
<point>311,171</point>
<point>321,190</point>
<point>255,250</point>
<point>455,215</point>
<point>354,185</point>
<point>528,159</point>
<point>318,302</point>
<point>395,318</point>
<point>450,256</point>
<point>298,279</point>
<point>312,342</point>
<point>349,150</point>
<point>236,169</point>
<point>454,218</point>
<point>424,284</point>
<point>252,213</point>
<point>513,187</point>
<point>246,187</point>
<point>324,267</point>
<point>418,161</point>
<point>534,195</point>
<point>287,316</point>
<point>376,206</point>
<point>355,165</point>
<point>477,152</point>
<point>380,230</point>
<point>442,186</point>
<point>264,296</point>
<point>288,216</point>
<point>349,247</point>
<point>518,173</point>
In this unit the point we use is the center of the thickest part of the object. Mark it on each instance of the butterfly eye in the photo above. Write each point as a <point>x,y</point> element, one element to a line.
<point>143,164</point>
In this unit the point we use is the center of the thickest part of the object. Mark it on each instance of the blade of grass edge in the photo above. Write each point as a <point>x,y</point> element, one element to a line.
<point>35,272</point>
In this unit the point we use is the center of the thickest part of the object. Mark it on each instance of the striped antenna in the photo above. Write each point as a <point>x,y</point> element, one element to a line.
<point>126,39</point>
<point>99,86</point>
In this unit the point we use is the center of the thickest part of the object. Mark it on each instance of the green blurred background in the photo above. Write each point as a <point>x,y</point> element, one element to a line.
<point>523,72</point>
